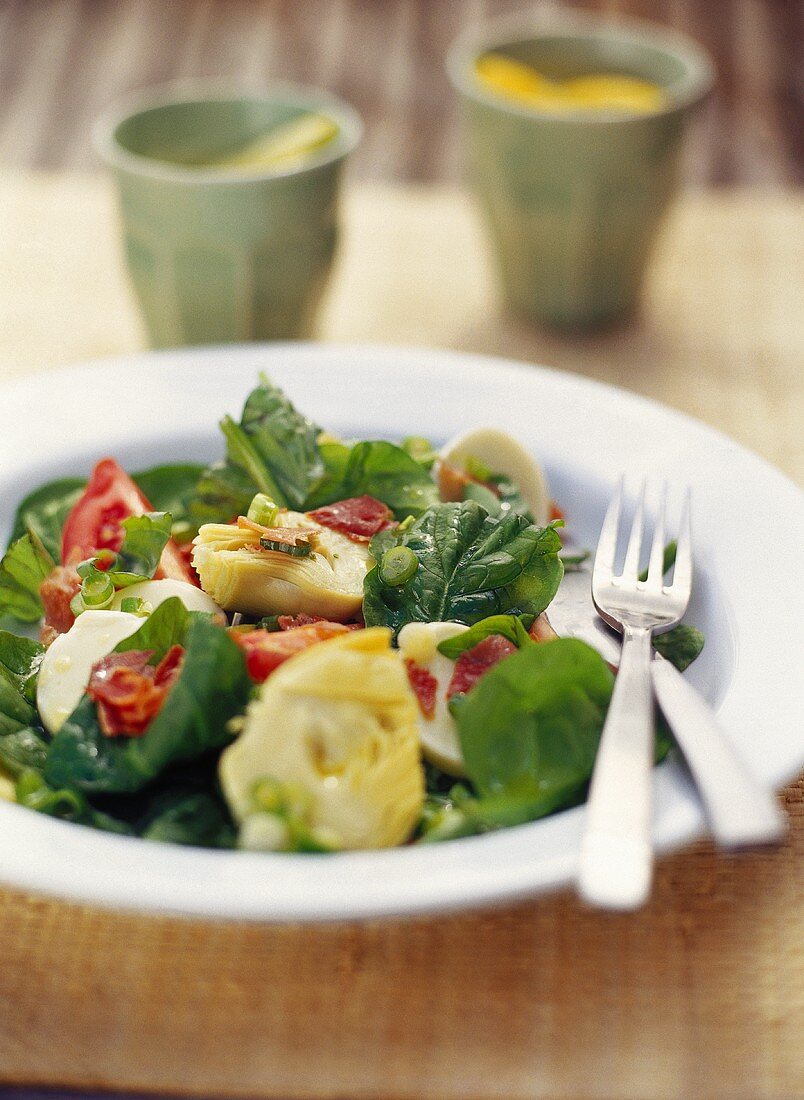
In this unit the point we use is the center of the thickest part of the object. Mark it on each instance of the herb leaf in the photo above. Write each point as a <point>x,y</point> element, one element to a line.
<point>44,511</point>
<point>377,469</point>
<point>509,626</point>
<point>471,565</point>
<point>22,570</point>
<point>531,726</point>
<point>680,646</point>
<point>212,687</point>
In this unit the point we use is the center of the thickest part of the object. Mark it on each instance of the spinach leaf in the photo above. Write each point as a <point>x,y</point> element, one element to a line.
<point>15,710</point>
<point>471,565</point>
<point>44,511</point>
<point>459,813</point>
<point>199,819</point>
<point>668,559</point>
<point>510,496</point>
<point>212,687</point>
<point>21,658</point>
<point>335,457</point>
<point>22,570</point>
<point>509,626</point>
<point>170,488</point>
<point>680,646</point>
<point>223,492</point>
<point>144,541</point>
<point>377,469</point>
<point>23,749</point>
<point>272,450</point>
<point>34,792</point>
<point>530,727</point>
<point>284,441</point>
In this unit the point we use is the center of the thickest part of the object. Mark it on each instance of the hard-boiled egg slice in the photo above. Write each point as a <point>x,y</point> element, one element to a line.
<point>67,664</point>
<point>502,454</point>
<point>156,592</point>
<point>419,642</point>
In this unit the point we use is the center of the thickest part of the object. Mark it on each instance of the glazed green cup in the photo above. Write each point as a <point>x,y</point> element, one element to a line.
<point>214,254</point>
<point>573,201</point>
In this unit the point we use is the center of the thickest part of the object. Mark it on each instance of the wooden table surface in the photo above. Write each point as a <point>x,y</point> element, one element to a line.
<point>701,994</point>
<point>62,62</point>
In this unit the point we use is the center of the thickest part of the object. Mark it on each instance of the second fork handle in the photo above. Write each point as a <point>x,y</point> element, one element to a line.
<point>616,856</point>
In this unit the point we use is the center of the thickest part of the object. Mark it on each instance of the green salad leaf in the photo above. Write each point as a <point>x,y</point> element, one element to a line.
<point>145,539</point>
<point>471,565</point>
<point>172,488</point>
<point>511,627</point>
<point>24,748</point>
<point>224,491</point>
<point>680,646</point>
<point>20,659</point>
<point>272,450</point>
<point>280,449</point>
<point>15,710</point>
<point>377,469</point>
<point>531,726</point>
<point>44,511</point>
<point>199,818</point>
<point>212,687</point>
<point>25,565</point>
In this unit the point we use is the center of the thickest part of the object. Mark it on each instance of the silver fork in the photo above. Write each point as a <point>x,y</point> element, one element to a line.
<point>616,857</point>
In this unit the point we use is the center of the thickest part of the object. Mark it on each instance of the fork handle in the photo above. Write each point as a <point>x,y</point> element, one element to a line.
<point>740,809</point>
<point>616,858</point>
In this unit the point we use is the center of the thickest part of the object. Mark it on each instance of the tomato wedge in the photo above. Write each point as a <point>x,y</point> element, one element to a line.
<point>95,521</point>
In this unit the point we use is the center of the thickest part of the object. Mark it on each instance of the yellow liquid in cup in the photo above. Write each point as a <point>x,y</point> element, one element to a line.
<point>519,83</point>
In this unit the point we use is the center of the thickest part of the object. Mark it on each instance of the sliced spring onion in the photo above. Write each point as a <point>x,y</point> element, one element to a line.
<point>301,549</point>
<point>97,591</point>
<point>398,565</point>
<point>263,510</point>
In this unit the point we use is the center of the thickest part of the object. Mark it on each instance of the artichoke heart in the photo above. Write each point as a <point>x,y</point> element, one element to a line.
<point>240,575</point>
<point>338,721</point>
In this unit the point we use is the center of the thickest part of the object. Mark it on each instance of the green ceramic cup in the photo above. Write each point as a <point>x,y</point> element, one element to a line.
<point>218,255</point>
<point>574,201</point>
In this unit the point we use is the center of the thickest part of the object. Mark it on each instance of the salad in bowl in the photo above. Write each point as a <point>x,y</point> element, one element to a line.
<point>310,645</point>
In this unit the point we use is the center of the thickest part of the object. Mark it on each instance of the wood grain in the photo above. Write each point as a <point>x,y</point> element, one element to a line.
<point>700,994</point>
<point>63,61</point>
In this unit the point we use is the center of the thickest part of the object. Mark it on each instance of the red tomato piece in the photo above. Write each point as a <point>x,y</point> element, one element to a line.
<point>359,518</point>
<point>267,650</point>
<point>129,692</point>
<point>475,663</point>
<point>95,521</point>
<point>424,686</point>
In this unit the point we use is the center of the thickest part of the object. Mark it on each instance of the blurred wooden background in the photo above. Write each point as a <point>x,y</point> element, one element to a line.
<point>63,61</point>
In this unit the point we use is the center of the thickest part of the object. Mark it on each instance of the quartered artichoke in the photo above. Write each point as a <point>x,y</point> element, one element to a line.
<point>242,576</point>
<point>337,724</point>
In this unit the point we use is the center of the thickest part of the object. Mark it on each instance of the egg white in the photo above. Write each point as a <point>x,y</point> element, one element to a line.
<point>156,592</point>
<point>67,664</point>
<point>503,455</point>
<point>439,735</point>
